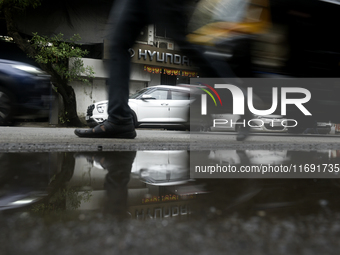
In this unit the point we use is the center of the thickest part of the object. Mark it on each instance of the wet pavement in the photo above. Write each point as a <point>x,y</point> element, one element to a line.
<point>150,202</point>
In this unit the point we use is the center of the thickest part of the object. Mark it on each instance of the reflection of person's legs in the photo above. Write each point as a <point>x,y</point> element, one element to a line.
<point>119,166</point>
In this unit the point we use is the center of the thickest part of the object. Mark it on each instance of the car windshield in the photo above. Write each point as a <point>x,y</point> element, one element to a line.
<point>138,93</point>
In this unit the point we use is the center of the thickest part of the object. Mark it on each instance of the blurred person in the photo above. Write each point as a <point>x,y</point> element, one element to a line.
<point>127,19</point>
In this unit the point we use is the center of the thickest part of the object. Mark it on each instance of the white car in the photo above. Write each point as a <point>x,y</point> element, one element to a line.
<point>156,105</point>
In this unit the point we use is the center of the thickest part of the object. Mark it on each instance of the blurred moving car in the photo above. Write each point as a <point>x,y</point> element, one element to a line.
<point>157,105</point>
<point>25,91</point>
<point>267,123</point>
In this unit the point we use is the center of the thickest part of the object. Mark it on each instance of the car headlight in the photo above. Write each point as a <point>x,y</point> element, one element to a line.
<point>101,108</point>
<point>29,69</point>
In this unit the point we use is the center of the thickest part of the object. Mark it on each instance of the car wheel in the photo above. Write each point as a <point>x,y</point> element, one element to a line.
<point>6,106</point>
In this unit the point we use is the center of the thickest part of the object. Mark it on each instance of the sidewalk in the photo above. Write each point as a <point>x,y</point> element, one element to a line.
<point>64,139</point>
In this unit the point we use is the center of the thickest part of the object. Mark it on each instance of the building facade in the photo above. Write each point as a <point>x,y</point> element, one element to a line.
<point>155,60</point>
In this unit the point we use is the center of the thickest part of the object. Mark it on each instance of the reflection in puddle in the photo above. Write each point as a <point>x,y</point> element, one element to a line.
<point>157,184</point>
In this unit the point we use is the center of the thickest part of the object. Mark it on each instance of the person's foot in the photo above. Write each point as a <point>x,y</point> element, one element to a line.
<point>108,130</point>
<point>242,134</point>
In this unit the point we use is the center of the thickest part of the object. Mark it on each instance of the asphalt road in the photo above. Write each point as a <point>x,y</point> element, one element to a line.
<point>63,139</point>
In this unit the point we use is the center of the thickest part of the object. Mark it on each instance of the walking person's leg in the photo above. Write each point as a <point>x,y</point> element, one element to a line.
<point>127,18</point>
<point>126,21</point>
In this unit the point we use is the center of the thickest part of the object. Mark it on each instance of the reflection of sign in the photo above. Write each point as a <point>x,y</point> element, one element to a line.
<point>162,212</point>
<point>166,198</point>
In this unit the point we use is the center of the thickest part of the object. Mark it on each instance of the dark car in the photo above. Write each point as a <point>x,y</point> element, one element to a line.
<point>25,90</point>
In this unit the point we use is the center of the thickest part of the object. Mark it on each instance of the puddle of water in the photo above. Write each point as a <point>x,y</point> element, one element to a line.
<point>146,185</point>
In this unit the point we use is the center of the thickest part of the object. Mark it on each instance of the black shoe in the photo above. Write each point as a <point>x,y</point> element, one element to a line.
<point>108,130</point>
<point>242,134</point>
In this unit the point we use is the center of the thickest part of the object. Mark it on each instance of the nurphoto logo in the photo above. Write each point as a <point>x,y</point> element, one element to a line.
<point>238,99</point>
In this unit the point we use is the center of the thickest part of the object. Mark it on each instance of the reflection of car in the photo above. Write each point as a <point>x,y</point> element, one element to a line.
<point>255,157</point>
<point>24,91</point>
<point>267,123</point>
<point>26,178</point>
<point>162,168</point>
<point>157,105</point>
